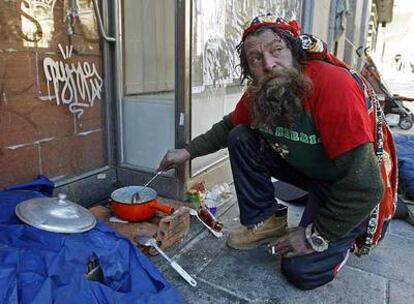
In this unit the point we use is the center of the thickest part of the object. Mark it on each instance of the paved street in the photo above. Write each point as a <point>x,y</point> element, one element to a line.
<point>401,83</point>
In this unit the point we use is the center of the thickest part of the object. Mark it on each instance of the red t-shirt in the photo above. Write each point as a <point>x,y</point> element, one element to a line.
<point>337,108</point>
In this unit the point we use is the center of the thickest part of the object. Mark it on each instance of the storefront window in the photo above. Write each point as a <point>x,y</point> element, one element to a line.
<point>149,46</point>
<point>51,90</point>
<point>217,28</point>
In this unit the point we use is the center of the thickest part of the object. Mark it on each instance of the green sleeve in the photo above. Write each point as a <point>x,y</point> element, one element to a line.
<point>211,141</point>
<point>353,196</point>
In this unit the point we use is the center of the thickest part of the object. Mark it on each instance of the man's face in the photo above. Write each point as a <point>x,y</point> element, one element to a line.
<point>265,53</point>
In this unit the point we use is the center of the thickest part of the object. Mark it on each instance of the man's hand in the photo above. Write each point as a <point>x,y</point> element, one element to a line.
<point>173,158</point>
<point>293,243</point>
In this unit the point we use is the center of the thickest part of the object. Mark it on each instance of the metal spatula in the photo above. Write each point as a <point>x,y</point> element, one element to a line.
<point>149,241</point>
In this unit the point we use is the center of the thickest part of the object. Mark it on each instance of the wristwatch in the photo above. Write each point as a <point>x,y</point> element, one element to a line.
<point>315,240</point>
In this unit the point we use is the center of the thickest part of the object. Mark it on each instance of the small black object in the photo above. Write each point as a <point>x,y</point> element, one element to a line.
<point>93,269</point>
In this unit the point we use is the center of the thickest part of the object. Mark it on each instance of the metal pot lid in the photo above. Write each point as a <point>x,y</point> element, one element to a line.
<point>124,195</point>
<point>55,214</point>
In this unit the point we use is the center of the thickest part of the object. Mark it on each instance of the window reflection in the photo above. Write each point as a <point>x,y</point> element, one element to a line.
<point>217,29</point>
<point>42,21</point>
<point>37,22</point>
<point>149,46</point>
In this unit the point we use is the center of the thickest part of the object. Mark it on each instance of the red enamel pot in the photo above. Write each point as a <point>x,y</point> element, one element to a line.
<point>145,208</point>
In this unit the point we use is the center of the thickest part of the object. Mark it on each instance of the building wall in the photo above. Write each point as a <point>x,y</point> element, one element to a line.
<point>355,31</point>
<point>337,27</point>
<point>320,25</point>
<point>342,24</point>
<point>51,91</point>
<point>315,17</point>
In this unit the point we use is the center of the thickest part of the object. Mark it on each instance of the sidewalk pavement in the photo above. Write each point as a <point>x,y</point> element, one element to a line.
<point>225,275</point>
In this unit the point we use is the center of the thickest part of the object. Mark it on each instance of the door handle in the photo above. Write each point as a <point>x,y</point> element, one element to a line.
<point>100,23</point>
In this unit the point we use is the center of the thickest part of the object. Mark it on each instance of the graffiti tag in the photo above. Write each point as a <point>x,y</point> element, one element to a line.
<point>76,85</point>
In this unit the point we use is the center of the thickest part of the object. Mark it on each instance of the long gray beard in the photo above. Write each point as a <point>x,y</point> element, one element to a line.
<point>278,98</point>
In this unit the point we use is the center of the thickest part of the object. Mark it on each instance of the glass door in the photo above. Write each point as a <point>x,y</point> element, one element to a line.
<point>147,108</point>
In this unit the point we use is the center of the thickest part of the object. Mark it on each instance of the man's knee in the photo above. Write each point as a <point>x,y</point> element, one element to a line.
<point>240,136</point>
<point>298,272</point>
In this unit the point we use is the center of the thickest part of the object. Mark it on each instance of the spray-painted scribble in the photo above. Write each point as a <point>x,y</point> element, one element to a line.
<point>76,85</point>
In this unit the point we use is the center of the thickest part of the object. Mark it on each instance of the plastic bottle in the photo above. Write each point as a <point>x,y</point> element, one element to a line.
<point>210,219</point>
<point>211,204</point>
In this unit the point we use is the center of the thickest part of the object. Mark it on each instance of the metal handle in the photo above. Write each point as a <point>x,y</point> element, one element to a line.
<point>149,182</point>
<point>100,23</point>
<point>184,274</point>
<point>62,199</point>
<point>154,244</point>
<point>135,198</point>
<point>174,265</point>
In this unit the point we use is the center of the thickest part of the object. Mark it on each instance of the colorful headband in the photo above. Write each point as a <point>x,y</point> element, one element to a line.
<point>271,21</point>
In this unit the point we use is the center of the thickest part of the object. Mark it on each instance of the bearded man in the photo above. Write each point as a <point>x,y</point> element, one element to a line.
<point>309,120</point>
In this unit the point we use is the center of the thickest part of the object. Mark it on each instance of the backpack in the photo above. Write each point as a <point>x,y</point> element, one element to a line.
<point>384,147</point>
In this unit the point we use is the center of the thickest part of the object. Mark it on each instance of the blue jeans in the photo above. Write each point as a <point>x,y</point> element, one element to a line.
<point>253,163</point>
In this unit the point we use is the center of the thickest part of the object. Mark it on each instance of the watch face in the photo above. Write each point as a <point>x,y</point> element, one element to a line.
<point>319,244</point>
<point>317,241</point>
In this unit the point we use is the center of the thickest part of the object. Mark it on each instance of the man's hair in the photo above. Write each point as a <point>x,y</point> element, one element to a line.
<point>294,45</point>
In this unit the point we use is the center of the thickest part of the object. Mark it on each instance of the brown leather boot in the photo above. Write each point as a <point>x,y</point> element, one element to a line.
<point>264,232</point>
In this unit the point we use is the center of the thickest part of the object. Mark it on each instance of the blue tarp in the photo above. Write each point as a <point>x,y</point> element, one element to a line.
<point>405,151</point>
<point>44,267</point>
